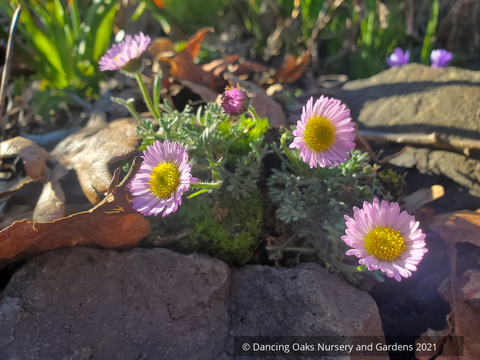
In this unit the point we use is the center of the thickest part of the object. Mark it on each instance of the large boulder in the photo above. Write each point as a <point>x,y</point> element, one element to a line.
<point>91,304</point>
<point>416,98</point>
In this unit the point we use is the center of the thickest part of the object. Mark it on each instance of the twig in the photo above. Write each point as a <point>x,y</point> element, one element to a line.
<point>432,140</point>
<point>8,60</point>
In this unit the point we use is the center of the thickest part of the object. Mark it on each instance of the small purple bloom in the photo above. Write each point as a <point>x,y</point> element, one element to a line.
<point>235,101</point>
<point>398,58</point>
<point>124,55</point>
<point>440,58</point>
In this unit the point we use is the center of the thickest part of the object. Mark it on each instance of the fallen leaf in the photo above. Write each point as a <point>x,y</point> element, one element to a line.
<point>292,68</point>
<point>14,213</point>
<point>421,197</point>
<point>461,338</point>
<point>94,148</point>
<point>22,161</point>
<point>181,65</point>
<point>265,106</point>
<point>220,65</point>
<point>195,42</point>
<point>459,226</point>
<point>51,203</point>
<point>111,224</point>
<point>34,157</point>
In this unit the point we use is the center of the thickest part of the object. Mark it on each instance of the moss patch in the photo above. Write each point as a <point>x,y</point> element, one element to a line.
<point>227,229</point>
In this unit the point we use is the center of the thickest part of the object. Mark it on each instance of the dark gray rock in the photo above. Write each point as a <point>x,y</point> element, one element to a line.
<point>90,304</point>
<point>304,301</point>
<point>416,98</point>
<point>156,304</point>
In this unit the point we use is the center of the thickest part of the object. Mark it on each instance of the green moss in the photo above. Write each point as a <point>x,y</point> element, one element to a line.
<point>232,239</point>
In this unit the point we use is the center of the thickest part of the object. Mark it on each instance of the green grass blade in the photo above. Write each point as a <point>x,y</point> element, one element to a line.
<point>104,33</point>
<point>431,30</point>
<point>75,16</point>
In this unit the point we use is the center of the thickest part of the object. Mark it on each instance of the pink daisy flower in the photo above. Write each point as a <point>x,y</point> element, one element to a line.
<point>126,54</point>
<point>385,238</point>
<point>162,179</point>
<point>325,133</point>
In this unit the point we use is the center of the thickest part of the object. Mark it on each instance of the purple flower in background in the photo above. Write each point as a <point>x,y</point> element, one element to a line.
<point>125,55</point>
<point>440,58</point>
<point>235,101</point>
<point>398,58</point>
<point>162,179</point>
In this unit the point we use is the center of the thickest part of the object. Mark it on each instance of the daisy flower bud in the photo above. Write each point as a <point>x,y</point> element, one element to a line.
<point>235,101</point>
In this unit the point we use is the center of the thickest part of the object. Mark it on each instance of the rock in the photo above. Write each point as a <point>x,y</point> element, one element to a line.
<point>303,301</point>
<point>156,304</point>
<point>416,98</point>
<point>91,304</point>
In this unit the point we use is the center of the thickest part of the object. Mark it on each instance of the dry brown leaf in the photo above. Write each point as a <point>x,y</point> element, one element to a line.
<point>8,187</point>
<point>292,68</point>
<point>33,156</point>
<point>181,65</point>
<point>51,203</point>
<point>220,65</point>
<point>459,226</point>
<point>94,148</point>
<point>421,197</point>
<point>264,105</point>
<point>15,212</point>
<point>195,42</point>
<point>461,338</point>
<point>111,224</point>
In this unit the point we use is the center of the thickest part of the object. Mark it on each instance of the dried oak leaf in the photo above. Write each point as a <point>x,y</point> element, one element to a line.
<point>265,106</point>
<point>292,68</point>
<point>181,65</point>
<point>22,161</point>
<point>461,338</point>
<point>421,197</point>
<point>33,156</point>
<point>51,203</point>
<point>111,224</point>
<point>94,148</point>
<point>459,226</point>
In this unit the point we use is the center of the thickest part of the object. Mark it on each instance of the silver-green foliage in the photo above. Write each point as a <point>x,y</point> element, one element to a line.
<point>314,201</point>
<point>236,144</point>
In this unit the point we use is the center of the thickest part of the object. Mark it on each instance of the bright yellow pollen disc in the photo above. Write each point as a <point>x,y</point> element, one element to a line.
<point>164,180</point>
<point>319,133</point>
<point>385,243</point>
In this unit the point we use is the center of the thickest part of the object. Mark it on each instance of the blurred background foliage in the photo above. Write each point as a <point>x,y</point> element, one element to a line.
<point>60,41</point>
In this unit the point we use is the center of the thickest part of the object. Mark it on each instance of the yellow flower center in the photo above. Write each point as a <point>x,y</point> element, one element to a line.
<point>385,243</point>
<point>164,180</point>
<point>319,133</point>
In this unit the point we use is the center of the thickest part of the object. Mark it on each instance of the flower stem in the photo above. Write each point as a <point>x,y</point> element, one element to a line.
<point>288,154</point>
<point>209,186</point>
<point>254,113</point>
<point>212,163</point>
<point>146,97</point>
